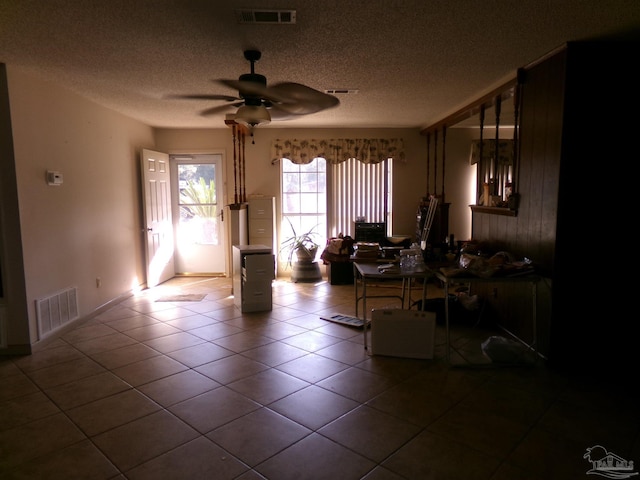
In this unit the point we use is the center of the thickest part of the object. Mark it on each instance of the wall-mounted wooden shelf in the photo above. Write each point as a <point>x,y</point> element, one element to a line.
<point>494,210</point>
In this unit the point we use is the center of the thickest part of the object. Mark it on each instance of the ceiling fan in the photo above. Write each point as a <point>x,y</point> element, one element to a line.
<point>258,103</point>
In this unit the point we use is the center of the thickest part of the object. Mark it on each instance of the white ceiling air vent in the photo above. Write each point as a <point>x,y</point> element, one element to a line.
<point>343,91</point>
<point>246,15</point>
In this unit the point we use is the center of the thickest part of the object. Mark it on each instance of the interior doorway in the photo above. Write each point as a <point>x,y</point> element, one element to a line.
<point>197,182</point>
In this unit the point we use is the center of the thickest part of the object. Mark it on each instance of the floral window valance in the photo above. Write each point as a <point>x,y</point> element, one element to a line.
<point>365,150</point>
<point>505,151</point>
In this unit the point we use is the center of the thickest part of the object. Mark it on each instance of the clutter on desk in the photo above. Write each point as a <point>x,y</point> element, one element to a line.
<point>500,264</point>
<point>411,259</point>
<point>389,268</point>
<point>338,249</point>
<point>367,250</point>
<point>391,253</point>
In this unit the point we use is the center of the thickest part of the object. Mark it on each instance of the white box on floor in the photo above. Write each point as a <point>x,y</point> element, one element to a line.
<point>403,333</point>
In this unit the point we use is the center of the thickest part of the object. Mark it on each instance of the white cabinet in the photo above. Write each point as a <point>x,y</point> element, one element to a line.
<point>253,273</point>
<point>262,221</point>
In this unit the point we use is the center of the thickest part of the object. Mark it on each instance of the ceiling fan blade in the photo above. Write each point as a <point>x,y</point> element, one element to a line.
<point>302,100</point>
<point>220,108</point>
<point>254,89</point>
<point>287,99</point>
<point>205,96</point>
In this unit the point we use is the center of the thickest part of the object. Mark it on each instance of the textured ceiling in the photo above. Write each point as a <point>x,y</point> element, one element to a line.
<point>412,61</point>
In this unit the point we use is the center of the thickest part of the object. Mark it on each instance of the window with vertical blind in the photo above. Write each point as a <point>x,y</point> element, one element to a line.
<point>329,201</point>
<point>328,184</point>
<point>304,199</point>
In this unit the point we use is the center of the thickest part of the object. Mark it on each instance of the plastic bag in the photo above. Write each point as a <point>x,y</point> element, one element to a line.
<point>502,350</point>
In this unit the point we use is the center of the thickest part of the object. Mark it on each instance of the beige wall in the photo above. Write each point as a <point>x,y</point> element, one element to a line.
<point>459,180</point>
<point>91,226</point>
<point>88,227</point>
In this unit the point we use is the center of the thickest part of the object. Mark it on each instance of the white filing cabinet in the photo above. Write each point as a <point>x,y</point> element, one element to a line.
<point>262,221</point>
<point>253,273</point>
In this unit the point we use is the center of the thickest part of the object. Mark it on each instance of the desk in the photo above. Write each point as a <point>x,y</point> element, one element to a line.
<point>533,279</point>
<point>364,272</point>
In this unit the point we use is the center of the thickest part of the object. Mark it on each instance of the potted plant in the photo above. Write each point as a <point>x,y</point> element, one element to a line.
<point>200,209</point>
<point>303,245</point>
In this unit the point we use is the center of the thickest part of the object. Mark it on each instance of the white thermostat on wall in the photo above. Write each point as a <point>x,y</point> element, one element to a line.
<point>54,178</point>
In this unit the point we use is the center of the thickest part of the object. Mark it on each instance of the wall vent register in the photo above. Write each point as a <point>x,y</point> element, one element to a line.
<point>54,311</point>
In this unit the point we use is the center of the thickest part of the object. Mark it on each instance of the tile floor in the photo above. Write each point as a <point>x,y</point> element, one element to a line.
<point>198,390</point>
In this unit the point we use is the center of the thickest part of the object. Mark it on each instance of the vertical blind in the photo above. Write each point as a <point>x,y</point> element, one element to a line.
<point>358,190</point>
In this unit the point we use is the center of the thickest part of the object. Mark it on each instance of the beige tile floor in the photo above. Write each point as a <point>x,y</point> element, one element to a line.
<point>198,390</point>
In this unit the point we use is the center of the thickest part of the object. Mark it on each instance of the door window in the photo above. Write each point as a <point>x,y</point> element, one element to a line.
<point>197,204</point>
<point>200,246</point>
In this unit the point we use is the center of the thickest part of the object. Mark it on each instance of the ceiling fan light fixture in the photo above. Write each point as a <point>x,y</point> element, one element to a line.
<point>253,115</point>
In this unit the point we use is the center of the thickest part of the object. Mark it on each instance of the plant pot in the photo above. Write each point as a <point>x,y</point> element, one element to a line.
<point>306,272</point>
<point>305,255</point>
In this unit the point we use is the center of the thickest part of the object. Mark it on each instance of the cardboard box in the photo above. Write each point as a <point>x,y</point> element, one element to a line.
<point>403,333</point>
<point>340,273</point>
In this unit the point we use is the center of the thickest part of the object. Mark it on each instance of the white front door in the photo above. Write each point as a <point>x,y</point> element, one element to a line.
<point>198,213</point>
<point>156,189</point>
